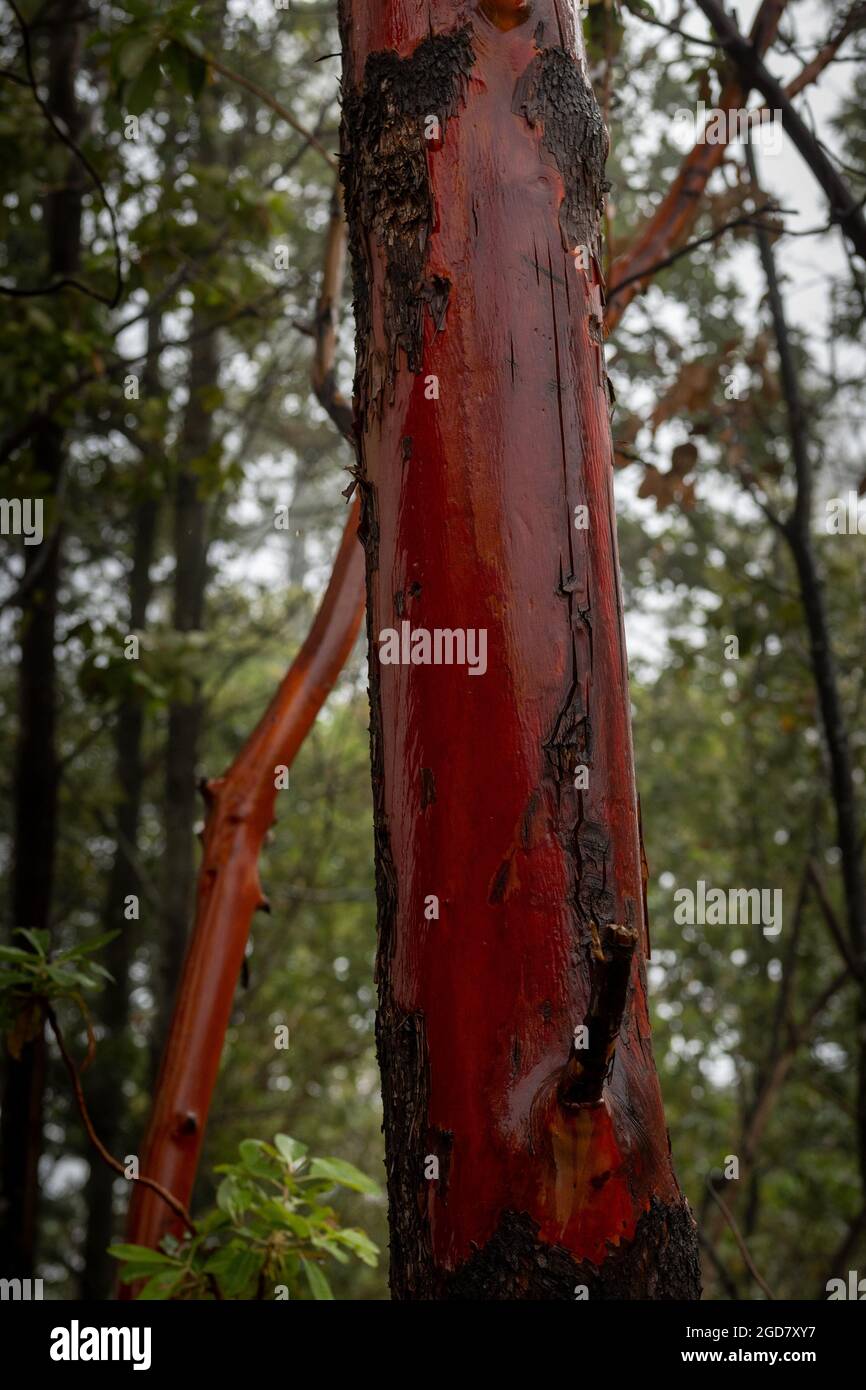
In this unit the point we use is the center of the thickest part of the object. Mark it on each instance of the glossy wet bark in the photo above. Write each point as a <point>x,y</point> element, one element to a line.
<point>240,813</point>
<point>519,1165</point>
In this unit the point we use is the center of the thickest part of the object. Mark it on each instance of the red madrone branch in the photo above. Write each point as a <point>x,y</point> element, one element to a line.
<point>240,812</point>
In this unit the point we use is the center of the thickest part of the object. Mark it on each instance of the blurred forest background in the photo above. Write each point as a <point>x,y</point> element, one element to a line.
<point>167,429</point>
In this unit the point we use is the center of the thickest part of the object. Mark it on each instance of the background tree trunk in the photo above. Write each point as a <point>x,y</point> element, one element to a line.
<point>185,715</point>
<point>36,772</point>
<point>519,1166</point>
<point>106,1102</point>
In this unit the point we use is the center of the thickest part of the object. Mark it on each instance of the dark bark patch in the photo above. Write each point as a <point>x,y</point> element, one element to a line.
<point>500,882</point>
<point>587,1069</point>
<point>440,1143</point>
<point>660,1263</point>
<point>386,177</point>
<point>554,94</point>
<point>401,1042</point>
<point>428,788</point>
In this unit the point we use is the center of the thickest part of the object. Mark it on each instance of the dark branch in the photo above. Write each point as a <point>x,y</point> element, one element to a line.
<point>843,207</point>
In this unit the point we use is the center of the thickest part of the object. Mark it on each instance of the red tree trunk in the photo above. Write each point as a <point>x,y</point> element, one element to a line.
<point>525,1155</point>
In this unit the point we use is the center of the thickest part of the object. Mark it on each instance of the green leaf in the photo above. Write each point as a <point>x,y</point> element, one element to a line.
<point>162,1285</point>
<point>213,1220</point>
<point>134,54</point>
<point>39,940</point>
<point>297,1224</point>
<point>241,1270</point>
<point>642,8</point>
<point>346,1174</point>
<point>256,1159</point>
<point>361,1244</point>
<point>87,948</point>
<point>132,1273</point>
<point>142,1254</point>
<point>319,1286</point>
<point>233,1197</point>
<point>16,953</point>
<point>143,89</point>
<point>330,1247</point>
<point>175,60</point>
<point>191,42</point>
<point>292,1150</point>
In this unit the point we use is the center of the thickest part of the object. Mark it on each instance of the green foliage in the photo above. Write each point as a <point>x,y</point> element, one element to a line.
<point>33,978</point>
<point>268,1236</point>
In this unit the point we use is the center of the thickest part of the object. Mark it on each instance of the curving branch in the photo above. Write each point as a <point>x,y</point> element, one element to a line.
<point>851,24</point>
<point>108,1158</point>
<point>240,811</point>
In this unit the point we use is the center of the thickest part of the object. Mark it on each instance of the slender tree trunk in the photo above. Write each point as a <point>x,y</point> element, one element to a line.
<point>526,1147</point>
<point>105,1097</point>
<point>185,716</point>
<point>35,777</point>
<point>35,809</point>
<point>797,530</point>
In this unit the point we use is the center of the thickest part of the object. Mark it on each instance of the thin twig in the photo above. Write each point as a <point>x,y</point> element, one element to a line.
<point>741,1244</point>
<point>833,922</point>
<point>276,106</point>
<point>745,220</point>
<point>177,1207</point>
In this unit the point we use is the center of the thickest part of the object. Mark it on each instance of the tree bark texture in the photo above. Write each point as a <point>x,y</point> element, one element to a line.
<point>553,1159</point>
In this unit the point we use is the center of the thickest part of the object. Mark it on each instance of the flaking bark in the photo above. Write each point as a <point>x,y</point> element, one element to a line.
<point>554,1167</point>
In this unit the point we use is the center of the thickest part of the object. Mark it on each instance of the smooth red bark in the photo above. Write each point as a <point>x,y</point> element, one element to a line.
<point>240,812</point>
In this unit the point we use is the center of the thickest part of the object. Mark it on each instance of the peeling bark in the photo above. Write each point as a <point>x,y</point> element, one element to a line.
<point>557,1158</point>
